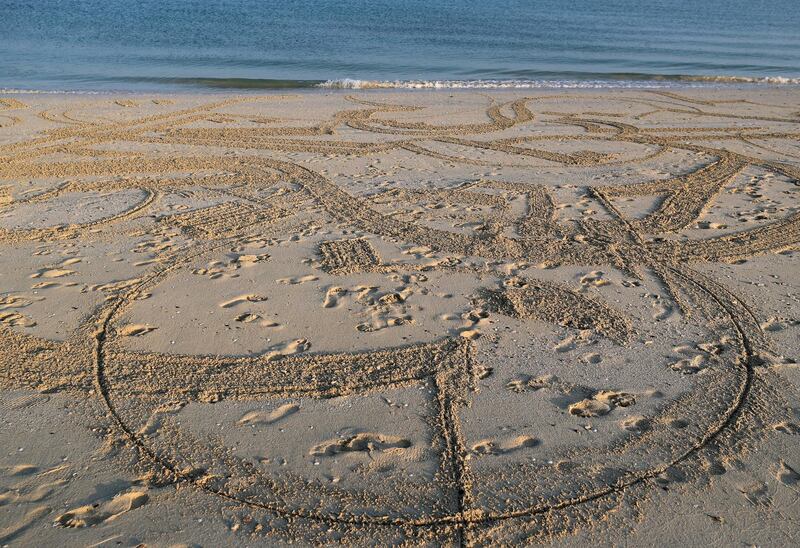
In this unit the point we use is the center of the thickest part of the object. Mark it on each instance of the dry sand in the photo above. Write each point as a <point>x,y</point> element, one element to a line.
<point>422,318</point>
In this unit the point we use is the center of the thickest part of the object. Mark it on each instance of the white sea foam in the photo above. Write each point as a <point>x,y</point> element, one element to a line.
<point>13,91</point>
<point>618,81</point>
<point>649,82</point>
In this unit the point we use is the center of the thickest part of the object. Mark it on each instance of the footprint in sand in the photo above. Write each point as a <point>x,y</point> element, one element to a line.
<point>524,383</point>
<point>14,301</point>
<point>15,319</point>
<point>470,334</point>
<point>8,497</point>
<point>214,271</point>
<point>156,419</point>
<point>242,299</point>
<point>45,285</point>
<point>787,475</point>
<point>71,261</point>
<point>91,514</point>
<point>57,271</point>
<point>756,493</point>
<point>287,349</point>
<point>714,467</point>
<point>21,470</point>
<point>41,492</point>
<point>135,330</point>
<point>380,321</point>
<point>592,358</point>
<point>32,516</point>
<point>247,317</point>
<point>708,225</point>
<point>579,400</point>
<point>492,447</point>
<point>113,287</point>
<point>595,279</point>
<point>332,296</point>
<point>690,366</point>
<point>250,260</point>
<point>474,320</point>
<point>601,403</point>
<point>787,427</point>
<point>635,424</point>
<point>255,418</point>
<point>662,312</point>
<point>589,408</point>
<point>52,273</point>
<point>365,442</point>
<point>297,279</point>
<point>565,345</point>
<point>776,324</point>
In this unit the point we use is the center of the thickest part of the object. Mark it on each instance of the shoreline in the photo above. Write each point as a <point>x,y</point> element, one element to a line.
<point>249,86</point>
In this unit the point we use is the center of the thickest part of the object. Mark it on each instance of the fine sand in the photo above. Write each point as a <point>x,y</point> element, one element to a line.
<point>427,318</point>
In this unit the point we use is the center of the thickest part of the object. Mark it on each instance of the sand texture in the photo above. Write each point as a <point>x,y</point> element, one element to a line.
<point>414,318</point>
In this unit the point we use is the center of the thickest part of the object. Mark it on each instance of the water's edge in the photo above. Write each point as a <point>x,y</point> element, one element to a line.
<point>618,81</point>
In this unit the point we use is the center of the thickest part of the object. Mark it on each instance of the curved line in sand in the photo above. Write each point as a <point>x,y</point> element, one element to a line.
<point>470,517</point>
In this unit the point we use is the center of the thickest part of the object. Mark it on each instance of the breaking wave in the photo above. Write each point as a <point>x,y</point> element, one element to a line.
<point>607,81</point>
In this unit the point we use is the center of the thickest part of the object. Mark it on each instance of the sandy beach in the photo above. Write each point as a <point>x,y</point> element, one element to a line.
<point>457,318</point>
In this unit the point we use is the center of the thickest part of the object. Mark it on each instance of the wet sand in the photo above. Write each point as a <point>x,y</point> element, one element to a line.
<point>400,317</point>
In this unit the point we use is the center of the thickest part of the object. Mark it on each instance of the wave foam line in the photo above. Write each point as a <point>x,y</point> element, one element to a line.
<point>16,91</point>
<point>615,81</point>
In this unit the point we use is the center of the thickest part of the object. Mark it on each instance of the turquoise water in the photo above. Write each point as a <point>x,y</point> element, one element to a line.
<point>181,44</point>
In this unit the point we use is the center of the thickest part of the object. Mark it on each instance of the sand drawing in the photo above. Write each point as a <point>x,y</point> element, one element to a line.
<point>227,192</point>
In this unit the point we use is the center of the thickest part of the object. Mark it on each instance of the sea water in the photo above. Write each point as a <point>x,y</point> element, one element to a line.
<point>255,44</point>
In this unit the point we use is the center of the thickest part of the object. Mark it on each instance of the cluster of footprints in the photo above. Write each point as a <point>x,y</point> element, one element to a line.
<point>517,241</point>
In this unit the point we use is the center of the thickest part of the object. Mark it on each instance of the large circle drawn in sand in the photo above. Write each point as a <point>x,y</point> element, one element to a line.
<point>608,471</point>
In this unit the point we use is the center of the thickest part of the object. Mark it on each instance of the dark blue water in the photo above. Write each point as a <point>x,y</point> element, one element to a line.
<point>151,44</point>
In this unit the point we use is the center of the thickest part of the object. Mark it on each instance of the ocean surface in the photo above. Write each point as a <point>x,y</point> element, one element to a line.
<point>142,45</point>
